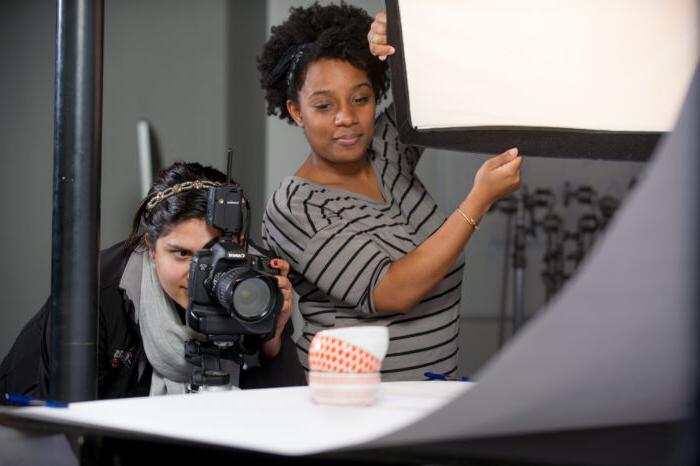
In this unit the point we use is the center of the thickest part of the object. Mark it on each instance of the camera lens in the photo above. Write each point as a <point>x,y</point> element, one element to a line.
<point>240,291</point>
<point>251,298</point>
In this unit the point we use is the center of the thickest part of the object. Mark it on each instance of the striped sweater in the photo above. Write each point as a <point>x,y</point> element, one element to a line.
<point>340,244</point>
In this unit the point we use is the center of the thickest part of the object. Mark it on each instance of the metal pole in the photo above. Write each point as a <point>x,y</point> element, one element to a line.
<point>504,281</point>
<point>519,263</point>
<point>76,200</point>
<point>509,207</point>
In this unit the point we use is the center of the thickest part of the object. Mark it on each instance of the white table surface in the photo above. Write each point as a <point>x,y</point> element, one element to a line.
<point>282,421</point>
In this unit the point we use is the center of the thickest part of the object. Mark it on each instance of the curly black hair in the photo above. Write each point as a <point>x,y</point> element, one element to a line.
<point>334,32</point>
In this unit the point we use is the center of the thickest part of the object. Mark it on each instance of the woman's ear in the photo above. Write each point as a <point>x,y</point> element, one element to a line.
<point>295,113</point>
<point>150,247</point>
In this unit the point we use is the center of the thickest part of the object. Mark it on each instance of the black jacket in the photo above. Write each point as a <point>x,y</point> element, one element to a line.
<point>120,350</point>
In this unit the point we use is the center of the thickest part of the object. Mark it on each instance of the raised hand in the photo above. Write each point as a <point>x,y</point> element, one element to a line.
<point>497,177</point>
<point>376,37</point>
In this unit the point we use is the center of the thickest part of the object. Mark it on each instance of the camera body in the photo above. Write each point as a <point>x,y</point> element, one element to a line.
<point>233,295</point>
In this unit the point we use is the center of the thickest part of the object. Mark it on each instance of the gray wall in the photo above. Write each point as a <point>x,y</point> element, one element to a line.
<point>26,132</point>
<point>164,61</point>
<point>189,68</point>
<point>173,62</point>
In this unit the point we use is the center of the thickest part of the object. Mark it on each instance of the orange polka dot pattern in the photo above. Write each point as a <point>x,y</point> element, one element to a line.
<point>330,354</point>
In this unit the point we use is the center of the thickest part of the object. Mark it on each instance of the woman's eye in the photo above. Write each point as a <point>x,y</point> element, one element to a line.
<point>181,253</point>
<point>361,100</point>
<point>322,106</point>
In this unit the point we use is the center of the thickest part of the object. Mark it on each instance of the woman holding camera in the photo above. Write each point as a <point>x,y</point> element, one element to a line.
<point>143,297</point>
<point>365,240</point>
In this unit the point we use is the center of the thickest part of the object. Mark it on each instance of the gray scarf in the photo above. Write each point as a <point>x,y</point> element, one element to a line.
<point>162,332</point>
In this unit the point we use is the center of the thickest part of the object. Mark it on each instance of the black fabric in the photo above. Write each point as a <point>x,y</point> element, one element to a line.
<point>120,350</point>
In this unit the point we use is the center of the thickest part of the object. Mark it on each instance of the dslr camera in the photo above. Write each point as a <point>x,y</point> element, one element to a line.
<point>234,299</point>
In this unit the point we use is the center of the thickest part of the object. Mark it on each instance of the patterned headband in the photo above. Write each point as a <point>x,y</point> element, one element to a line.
<point>177,189</point>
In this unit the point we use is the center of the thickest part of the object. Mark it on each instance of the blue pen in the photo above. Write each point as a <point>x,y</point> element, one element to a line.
<point>434,376</point>
<point>21,400</point>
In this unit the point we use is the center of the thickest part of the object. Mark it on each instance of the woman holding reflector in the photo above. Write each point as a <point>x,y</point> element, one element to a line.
<point>365,241</point>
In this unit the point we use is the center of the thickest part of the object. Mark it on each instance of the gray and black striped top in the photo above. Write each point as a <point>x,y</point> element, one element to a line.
<point>339,245</point>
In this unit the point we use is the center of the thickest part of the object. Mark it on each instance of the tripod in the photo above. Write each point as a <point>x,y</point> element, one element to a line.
<point>208,355</point>
<point>564,249</point>
<point>520,208</point>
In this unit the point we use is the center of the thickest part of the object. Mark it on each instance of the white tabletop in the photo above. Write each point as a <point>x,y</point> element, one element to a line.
<point>282,421</point>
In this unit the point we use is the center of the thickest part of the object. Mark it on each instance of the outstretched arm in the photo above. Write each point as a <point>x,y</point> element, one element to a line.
<point>409,279</point>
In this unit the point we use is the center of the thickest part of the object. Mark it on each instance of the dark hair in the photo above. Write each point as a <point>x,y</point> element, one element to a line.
<point>174,209</point>
<point>336,32</point>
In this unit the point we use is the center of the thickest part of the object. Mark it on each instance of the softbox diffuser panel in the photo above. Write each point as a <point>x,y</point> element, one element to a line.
<point>585,78</point>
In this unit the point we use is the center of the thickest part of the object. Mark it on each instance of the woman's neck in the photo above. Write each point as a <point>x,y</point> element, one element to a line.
<point>321,171</point>
<point>357,176</point>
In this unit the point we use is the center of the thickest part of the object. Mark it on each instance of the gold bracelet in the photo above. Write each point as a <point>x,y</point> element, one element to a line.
<point>469,220</point>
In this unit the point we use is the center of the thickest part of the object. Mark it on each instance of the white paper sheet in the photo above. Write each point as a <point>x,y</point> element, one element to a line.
<point>284,421</point>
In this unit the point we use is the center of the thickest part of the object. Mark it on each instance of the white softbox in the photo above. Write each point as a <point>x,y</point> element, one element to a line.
<point>573,78</point>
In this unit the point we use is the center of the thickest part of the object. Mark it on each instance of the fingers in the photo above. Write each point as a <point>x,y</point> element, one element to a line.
<point>506,157</point>
<point>286,288</point>
<point>286,309</point>
<point>380,17</point>
<point>378,45</point>
<point>507,163</point>
<point>515,171</point>
<point>377,38</point>
<point>379,24</point>
<point>512,171</point>
<point>283,283</point>
<point>498,177</point>
<point>515,163</point>
<point>501,159</point>
<point>381,51</point>
<point>281,265</point>
<point>511,168</point>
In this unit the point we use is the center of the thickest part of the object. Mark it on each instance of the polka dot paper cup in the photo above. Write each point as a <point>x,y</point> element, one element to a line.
<point>330,354</point>
<point>344,364</point>
<point>358,349</point>
<point>344,389</point>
